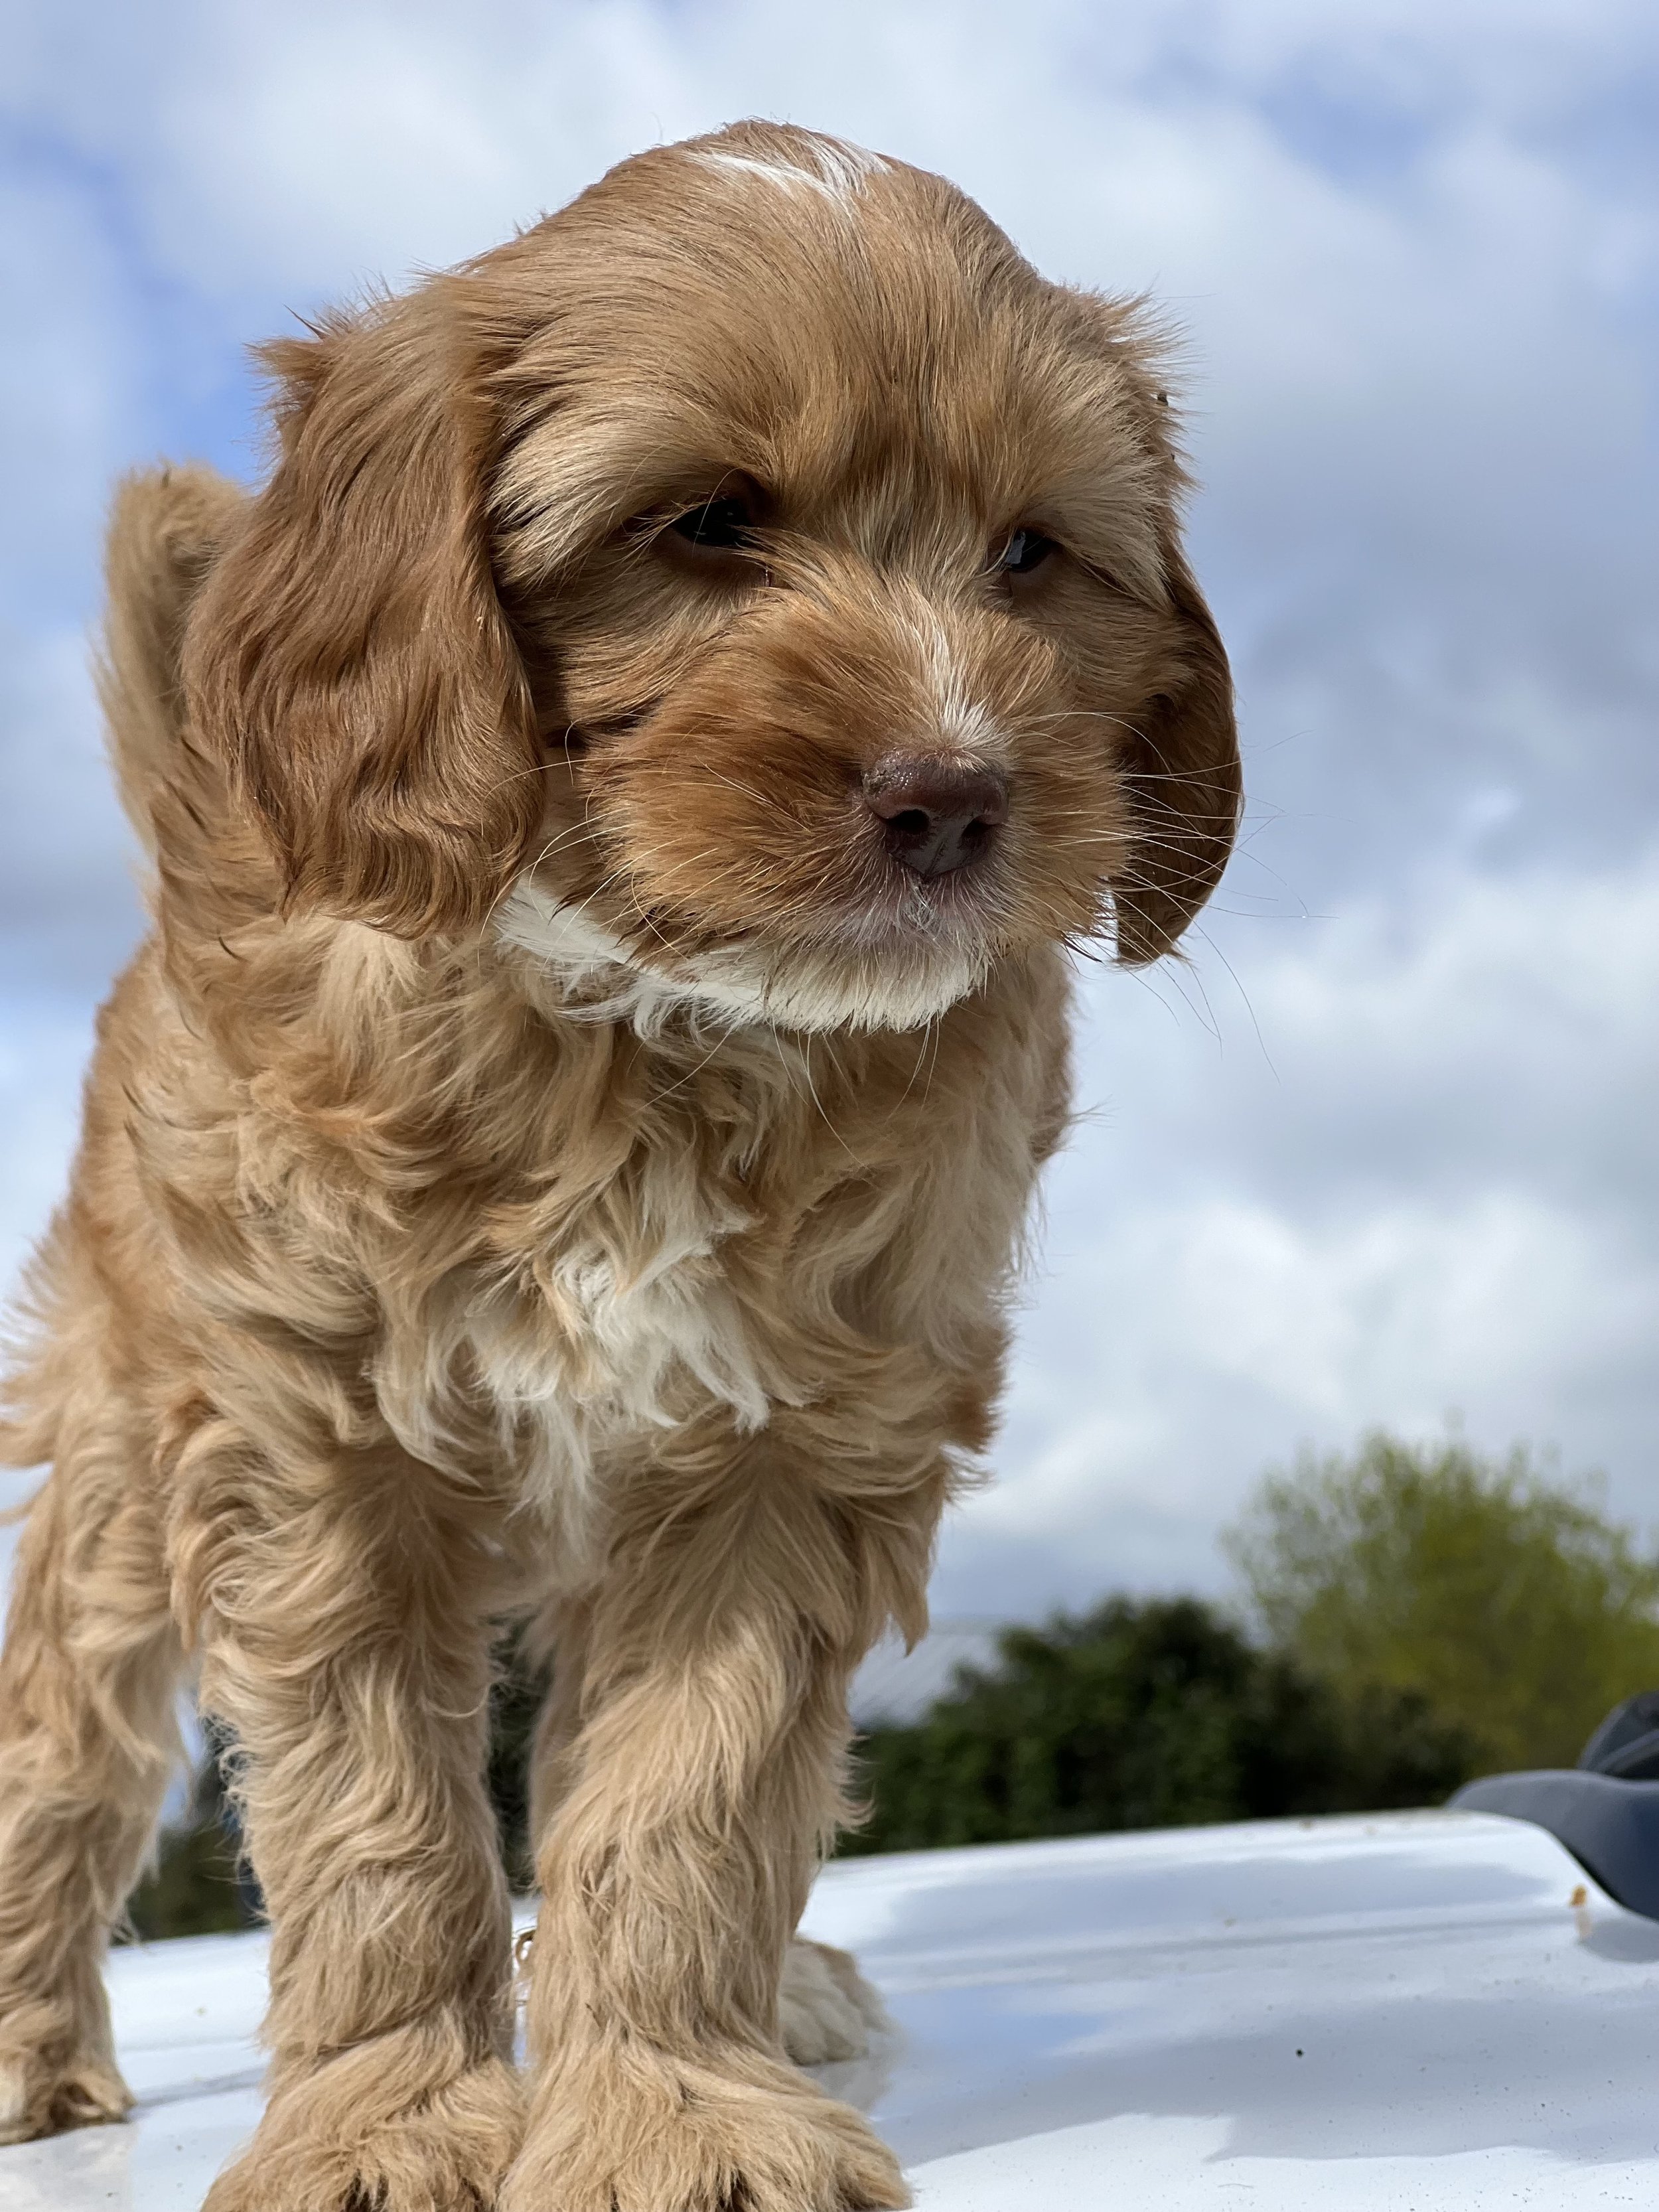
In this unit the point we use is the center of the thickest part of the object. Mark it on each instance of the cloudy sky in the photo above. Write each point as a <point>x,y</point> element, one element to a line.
<point>1384,1151</point>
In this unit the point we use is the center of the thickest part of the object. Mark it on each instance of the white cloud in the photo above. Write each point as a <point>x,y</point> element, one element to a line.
<point>68,897</point>
<point>67,396</point>
<point>44,1045</point>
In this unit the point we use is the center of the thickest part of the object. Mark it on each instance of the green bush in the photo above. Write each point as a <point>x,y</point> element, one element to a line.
<point>198,1885</point>
<point>1508,1602</point>
<point>1143,1714</point>
<point>514,1703</point>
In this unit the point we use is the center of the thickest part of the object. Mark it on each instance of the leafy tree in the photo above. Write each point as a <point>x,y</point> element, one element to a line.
<point>1155,1713</point>
<point>1506,1601</point>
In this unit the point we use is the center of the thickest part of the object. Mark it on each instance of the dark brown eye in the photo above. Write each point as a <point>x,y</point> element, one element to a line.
<point>1025,550</point>
<point>721,525</point>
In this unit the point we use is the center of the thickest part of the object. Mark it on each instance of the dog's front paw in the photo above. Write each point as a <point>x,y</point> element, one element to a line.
<point>827,2010</point>
<point>631,2133</point>
<point>40,2095</point>
<point>363,2131</point>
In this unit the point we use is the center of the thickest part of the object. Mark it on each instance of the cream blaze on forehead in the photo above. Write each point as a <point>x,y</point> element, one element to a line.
<point>831,167</point>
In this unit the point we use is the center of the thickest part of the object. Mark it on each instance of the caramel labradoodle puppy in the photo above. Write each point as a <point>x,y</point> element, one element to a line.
<point>620,798</point>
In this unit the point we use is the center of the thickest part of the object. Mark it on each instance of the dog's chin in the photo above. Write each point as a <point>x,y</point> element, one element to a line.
<point>896,983</point>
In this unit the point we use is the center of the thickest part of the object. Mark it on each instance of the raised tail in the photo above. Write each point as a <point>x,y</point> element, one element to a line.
<point>168,528</point>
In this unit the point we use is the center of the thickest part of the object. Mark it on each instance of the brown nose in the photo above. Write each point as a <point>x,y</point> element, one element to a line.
<point>941,815</point>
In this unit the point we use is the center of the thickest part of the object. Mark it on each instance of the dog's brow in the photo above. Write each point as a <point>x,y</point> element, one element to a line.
<point>560,484</point>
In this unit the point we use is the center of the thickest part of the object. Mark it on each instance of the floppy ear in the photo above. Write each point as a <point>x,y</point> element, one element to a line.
<point>349,654</point>
<point>1183,776</point>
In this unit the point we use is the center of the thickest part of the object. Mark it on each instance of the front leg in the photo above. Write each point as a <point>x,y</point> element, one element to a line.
<point>702,1784</point>
<point>827,2011</point>
<point>345,1609</point>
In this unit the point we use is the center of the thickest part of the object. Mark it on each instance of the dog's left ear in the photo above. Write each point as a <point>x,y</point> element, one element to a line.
<point>349,658</point>
<point>1181,770</point>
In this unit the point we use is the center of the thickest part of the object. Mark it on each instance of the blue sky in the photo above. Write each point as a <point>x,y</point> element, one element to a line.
<point>1384,1152</point>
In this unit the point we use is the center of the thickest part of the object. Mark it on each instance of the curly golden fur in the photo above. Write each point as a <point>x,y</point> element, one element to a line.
<point>619,797</point>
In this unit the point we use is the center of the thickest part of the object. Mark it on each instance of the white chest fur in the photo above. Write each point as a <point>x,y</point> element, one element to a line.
<point>589,1347</point>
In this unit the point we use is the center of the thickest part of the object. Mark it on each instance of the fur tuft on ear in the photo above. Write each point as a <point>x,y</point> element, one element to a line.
<point>1182,775</point>
<point>348,656</point>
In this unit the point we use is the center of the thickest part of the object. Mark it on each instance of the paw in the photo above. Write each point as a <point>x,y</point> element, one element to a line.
<point>362,2134</point>
<point>628,2134</point>
<point>826,2008</point>
<point>38,2097</point>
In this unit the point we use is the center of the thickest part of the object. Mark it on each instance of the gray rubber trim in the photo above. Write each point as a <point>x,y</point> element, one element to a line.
<point>1610,1826</point>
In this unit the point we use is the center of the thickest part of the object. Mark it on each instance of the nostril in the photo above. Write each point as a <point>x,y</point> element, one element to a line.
<point>939,815</point>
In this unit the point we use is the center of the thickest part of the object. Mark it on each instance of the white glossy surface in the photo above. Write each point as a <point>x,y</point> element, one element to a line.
<point>1404,2013</point>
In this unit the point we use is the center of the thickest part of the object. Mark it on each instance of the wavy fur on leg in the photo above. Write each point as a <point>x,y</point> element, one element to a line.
<point>87,1737</point>
<point>700,1780</point>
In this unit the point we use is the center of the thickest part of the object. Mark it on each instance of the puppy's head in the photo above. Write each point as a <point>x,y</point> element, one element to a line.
<point>756,578</point>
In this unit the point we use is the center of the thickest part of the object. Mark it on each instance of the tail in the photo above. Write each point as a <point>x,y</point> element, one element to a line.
<point>168,527</point>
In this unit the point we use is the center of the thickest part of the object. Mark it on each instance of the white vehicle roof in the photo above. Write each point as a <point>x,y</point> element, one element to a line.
<point>1405,2013</point>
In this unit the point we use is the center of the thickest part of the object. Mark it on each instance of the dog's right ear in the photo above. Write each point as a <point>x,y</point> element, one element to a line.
<point>1183,779</point>
<point>349,655</point>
